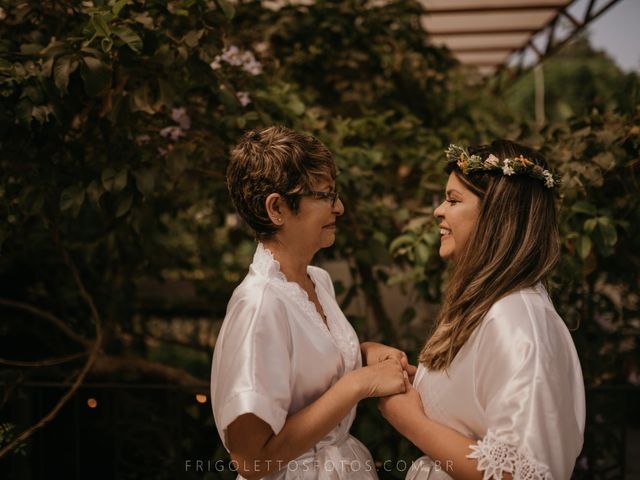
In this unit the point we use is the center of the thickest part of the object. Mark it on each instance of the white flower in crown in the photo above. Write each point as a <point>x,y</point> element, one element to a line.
<point>492,160</point>
<point>548,179</point>
<point>507,169</point>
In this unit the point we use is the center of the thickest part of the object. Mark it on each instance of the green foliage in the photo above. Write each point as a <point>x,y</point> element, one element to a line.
<point>384,101</point>
<point>115,122</point>
<point>7,434</point>
<point>114,131</point>
<point>116,118</point>
<point>596,282</point>
<point>577,79</point>
<point>124,124</point>
<point>121,127</point>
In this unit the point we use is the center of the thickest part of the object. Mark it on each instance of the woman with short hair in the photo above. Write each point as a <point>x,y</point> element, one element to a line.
<point>287,367</point>
<point>499,390</point>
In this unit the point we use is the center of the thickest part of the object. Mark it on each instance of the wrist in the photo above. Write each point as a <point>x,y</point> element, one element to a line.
<point>364,349</point>
<point>419,431</point>
<point>354,385</point>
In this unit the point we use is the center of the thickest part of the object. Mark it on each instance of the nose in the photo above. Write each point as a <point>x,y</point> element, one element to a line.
<point>338,208</point>
<point>439,211</point>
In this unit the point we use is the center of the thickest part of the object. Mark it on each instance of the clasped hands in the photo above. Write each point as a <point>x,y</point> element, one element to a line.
<point>373,352</point>
<point>401,409</point>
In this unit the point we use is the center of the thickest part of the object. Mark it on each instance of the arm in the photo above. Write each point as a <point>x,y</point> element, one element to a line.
<point>444,445</point>
<point>258,451</point>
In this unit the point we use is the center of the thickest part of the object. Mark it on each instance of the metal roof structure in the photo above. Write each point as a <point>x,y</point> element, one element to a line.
<point>494,34</point>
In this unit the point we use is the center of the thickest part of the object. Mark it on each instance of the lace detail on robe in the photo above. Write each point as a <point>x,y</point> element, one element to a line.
<point>266,263</point>
<point>497,457</point>
<point>346,341</point>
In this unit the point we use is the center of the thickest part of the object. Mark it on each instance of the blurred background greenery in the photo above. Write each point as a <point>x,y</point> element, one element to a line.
<point>120,247</point>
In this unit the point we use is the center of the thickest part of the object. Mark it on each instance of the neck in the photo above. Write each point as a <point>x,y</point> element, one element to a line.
<point>293,260</point>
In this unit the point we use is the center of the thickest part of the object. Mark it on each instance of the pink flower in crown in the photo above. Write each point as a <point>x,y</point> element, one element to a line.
<point>491,160</point>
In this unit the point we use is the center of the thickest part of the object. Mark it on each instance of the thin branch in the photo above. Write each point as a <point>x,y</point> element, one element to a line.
<point>43,363</point>
<point>172,38</point>
<point>171,341</point>
<point>85,369</point>
<point>107,365</point>
<point>50,317</point>
<point>97,363</point>
<point>54,411</point>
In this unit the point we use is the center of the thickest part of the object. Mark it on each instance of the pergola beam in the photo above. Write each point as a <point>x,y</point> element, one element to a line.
<point>540,37</point>
<point>488,49</point>
<point>488,31</point>
<point>551,36</point>
<point>495,8</point>
<point>551,47</point>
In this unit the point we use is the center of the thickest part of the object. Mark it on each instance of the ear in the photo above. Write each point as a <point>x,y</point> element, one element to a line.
<point>275,206</point>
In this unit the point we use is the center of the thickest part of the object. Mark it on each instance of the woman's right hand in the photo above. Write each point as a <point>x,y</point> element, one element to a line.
<point>382,379</point>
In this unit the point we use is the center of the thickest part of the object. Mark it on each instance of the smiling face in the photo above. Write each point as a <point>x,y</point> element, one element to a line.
<point>458,215</point>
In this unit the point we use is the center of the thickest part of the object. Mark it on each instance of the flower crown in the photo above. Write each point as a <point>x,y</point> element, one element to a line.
<point>519,165</point>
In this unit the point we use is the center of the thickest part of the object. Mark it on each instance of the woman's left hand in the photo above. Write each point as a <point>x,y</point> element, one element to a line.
<point>402,410</point>
<point>374,352</point>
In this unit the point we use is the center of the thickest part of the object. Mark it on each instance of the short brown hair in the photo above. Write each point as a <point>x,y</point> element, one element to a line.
<point>274,160</point>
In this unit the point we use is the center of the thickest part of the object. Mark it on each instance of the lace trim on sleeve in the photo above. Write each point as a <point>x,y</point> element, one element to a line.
<point>496,457</point>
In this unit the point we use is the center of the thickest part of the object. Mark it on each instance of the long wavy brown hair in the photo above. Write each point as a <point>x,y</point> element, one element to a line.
<point>513,246</point>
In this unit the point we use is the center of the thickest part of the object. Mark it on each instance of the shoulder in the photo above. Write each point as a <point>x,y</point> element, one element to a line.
<point>525,323</point>
<point>257,304</point>
<point>526,310</point>
<point>518,343</point>
<point>258,292</point>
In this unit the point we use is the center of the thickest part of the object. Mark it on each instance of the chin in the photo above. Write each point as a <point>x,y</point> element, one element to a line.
<point>446,254</point>
<point>328,241</point>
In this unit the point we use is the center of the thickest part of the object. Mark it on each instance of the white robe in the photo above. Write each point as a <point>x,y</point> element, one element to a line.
<point>516,388</point>
<point>275,355</point>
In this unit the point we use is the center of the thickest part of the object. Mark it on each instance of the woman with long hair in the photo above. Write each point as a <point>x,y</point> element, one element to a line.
<point>499,390</point>
<point>287,368</point>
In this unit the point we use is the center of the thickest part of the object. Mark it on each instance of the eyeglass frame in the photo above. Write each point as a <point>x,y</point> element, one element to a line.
<point>333,196</point>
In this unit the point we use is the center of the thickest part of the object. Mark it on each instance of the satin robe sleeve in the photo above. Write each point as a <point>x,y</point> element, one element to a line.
<point>528,382</point>
<point>254,374</point>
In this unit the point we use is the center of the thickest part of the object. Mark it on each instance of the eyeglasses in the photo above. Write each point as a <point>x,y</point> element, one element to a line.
<point>331,196</point>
